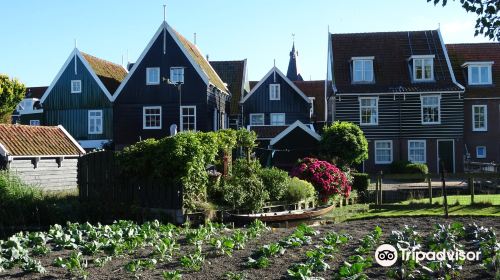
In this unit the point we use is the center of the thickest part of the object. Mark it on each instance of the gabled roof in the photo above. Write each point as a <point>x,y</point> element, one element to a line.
<point>233,73</point>
<point>391,51</point>
<point>267,131</point>
<point>35,92</point>
<point>277,71</point>
<point>110,74</point>
<point>295,125</point>
<point>193,54</point>
<point>315,89</point>
<point>476,52</point>
<point>28,141</point>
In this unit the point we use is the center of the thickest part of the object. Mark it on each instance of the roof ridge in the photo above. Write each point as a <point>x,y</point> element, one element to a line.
<point>381,32</point>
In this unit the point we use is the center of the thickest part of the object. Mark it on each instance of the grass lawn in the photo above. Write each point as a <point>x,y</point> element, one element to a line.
<point>493,199</point>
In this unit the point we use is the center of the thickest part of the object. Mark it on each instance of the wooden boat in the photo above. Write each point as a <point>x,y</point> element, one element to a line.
<point>282,216</point>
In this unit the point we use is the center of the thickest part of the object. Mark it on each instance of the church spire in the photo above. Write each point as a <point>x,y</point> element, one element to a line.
<point>293,70</point>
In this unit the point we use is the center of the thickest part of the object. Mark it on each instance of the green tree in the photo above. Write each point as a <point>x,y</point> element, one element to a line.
<point>11,93</point>
<point>488,15</point>
<point>344,143</point>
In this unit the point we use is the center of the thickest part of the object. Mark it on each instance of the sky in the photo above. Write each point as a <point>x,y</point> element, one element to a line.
<point>38,36</point>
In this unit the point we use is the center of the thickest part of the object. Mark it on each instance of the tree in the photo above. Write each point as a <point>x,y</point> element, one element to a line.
<point>488,21</point>
<point>11,93</point>
<point>344,143</point>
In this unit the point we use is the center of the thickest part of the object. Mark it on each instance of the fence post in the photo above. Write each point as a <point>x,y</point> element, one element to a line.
<point>380,186</point>
<point>376,191</point>
<point>445,198</point>
<point>471,188</point>
<point>429,183</point>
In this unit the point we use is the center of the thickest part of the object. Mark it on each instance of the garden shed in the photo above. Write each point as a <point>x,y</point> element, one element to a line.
<point>44,156</point>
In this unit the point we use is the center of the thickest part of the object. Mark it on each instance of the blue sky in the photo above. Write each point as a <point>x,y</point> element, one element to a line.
<point>38,36</point>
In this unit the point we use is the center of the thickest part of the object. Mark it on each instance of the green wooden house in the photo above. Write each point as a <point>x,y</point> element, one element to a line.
<point>80,98</point>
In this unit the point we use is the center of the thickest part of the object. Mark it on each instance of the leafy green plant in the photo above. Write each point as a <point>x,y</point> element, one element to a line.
<point>344,143</point>
<point>165,249</point>
<point>235,276</point>
<point>353,271</point>
<point>32,265</point>
<point>172,275</point>
<point>299,190</point>
<point>193,262</point>
<point>271,250</point>
<point>300,271</point>
<point>223,246</point>
<point>275,181</point>
<point>100,262</point>
<point>75,264</point>
<point>239,238</point>
<point>260,262</point>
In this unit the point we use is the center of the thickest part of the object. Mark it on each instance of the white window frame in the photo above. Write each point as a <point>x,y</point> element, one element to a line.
<point>181,115</point>
<point>362,60</point>
<point>485,128</point>
<point>277,95</point>
<point>477,154</point>
<point>422,109</point>
<point>391,150</point>
<point>94,119</point>
<point>422,58</point>
<point>148,76</point>
<point>361,110</point>
<point>479,65</point>
<point>74,88</point>
<point>277,114</point>
<point>35,122</point>
<point>144,115</point>
<point>257,114</point>
<point>172,75</point>
<point>425,151</point>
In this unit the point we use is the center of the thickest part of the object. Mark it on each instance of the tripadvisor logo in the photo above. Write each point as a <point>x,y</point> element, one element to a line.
<point>387,255</point>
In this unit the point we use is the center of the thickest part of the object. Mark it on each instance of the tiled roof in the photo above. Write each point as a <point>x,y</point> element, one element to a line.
<point>391,51</point>
<point>233,74</point>
<point>202,62</point>
<point>35,92</point>
<point>26,140</point>
<point>266,131</point>
<point>314,89</point>
<point>110,74</point>
<point>461,53</point>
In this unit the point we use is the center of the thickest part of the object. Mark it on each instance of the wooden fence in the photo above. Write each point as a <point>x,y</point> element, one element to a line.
<point>100,180</point>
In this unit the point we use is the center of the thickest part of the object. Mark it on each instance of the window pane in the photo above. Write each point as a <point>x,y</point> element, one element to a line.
<point>484,75</point>
<point>474,75</point>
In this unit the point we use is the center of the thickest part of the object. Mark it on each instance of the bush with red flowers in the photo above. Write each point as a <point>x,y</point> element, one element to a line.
<point>327,178</point>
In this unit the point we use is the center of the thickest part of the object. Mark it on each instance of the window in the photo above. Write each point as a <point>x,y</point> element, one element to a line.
<point>479,118</point>
<point>277,119</point>
<point>362,70</point>
<point>383,151</point>
<point>368,110</point>
<point>479,74</point>
<point>76,86</point>
<point>416,151</point>
<point>480,152</point>
<point>423,68</point>
<point>430,109</point>
<point>177,75</point>
<point>35,122</point>
<point>151,117</point>
<point>188,118</point>
<point>95,122</point>
<point>153,76</point>
<point>274,92</point>
<point>256,119</point>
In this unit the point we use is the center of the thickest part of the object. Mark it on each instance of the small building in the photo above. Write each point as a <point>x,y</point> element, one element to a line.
<point>44,156</point>
<point>29,110</point>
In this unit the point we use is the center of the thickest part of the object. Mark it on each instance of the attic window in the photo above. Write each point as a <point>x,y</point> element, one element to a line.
<point>177,75</point>
<point>274,92</point>
<point>479,73</point>
<point>76,86</point>
<point>423,67</point>
<point>153,76</point>
<point>362,69</point>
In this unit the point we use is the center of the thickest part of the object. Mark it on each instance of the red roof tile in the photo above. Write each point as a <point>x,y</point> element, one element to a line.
<point>314,89</point>
<point>25,140</point>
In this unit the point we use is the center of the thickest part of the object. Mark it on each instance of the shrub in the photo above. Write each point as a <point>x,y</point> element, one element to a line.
<point>299,190</point>
<point>407,167</point>
<point>344,143</point>
<point>275,181</point>
<point>360,182</point>
<point>325,177</point>
<point>398,166</point>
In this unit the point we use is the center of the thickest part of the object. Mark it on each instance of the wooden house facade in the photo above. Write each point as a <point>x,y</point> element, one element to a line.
<point>170,88</point>
<point>400,88</point>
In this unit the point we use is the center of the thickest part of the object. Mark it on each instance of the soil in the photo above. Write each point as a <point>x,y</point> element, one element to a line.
<point>216,267</point>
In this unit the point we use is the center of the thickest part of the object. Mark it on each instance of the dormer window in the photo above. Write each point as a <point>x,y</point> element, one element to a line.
<point>479,73</point>
<point>423,67</point>
<point>362,69</point>
<point>274,92</point>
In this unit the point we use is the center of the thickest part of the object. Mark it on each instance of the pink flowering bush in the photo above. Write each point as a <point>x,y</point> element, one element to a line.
<point>328,179</point>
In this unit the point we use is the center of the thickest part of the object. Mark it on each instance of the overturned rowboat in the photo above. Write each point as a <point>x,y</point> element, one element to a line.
<point>282,216</point>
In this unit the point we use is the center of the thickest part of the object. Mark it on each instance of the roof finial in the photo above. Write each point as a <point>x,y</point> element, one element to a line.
<point>76,44</point>
<point>293,38</point>
<point>195,38</point>
<point>164,12</point>
<point>439,25</point>
<point>274,62</point>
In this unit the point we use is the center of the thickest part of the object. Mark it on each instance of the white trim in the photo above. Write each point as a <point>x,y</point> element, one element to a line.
<point>80,86</point>
<point>425,150</point>
<point>257,114</point>
<point>275,70</point>
<point>422,109</point>
<point>375,151</point>
<point>3,151</point>
<point>181,122</point>
<point>485,118</point>
<point>173,68</point>
<point>278,91</point>
<point>154,83</point>
<point>144,108</point>
<point>482,98</point>
<point>437,149</point>
<point>401,93</point>
<point>363,79</point>
<point>71,138</point>
<point>485,152</point>
<point>360,116</point>
<point>448,62</point>
<point>481,63</point>
<point>414,68</point>
<point>10,158</point>
<point>95,118</point>
<point>289,129</point>
<point>479,83</point>
<point>422,56</point>
<point>271,118</point>
<point>362,58</point>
